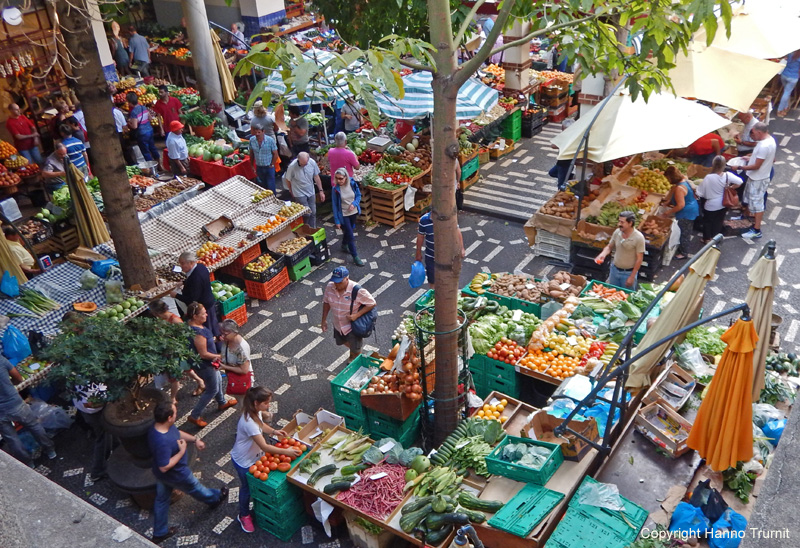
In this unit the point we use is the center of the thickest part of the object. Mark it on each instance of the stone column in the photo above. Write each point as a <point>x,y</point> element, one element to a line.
<point>99,31</point>
<point>517,61</point>
<point>260,13</point>
<point>205,66</point>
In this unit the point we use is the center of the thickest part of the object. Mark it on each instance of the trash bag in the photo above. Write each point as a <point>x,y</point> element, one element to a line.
<point>15,345</point>
<point>114,292</point>
<point>761,446</point>
<point>688,521</point>
<point>417,277</point>
<point>9,285</point>
<point>51,417</point>
<point>728,531</point>
<point>764,413</point>
<point>89,280</point>
<point>773,430</point>
<point>709,501</point>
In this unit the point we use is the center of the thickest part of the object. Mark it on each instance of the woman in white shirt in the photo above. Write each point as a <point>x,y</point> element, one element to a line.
<point>712,190</point>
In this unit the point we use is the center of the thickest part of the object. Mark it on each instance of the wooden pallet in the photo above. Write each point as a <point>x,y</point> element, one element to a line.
<point>387,206</point>
<point>366,207</point>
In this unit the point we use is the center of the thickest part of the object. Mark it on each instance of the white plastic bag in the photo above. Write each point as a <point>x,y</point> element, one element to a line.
<point>675,236</point>
<point>408,201</point>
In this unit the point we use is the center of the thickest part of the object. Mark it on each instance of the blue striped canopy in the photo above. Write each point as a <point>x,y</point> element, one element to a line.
<point>474,98</point>
<point>328,89</point>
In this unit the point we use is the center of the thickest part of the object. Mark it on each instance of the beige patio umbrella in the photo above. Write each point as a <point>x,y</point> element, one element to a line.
<point>763,280</point>
<point>226,80</point>
<point>92,229</point>
<point>705,73</point>
<point>676,315</point>
<point>9,262</point>
<point>767,29</point>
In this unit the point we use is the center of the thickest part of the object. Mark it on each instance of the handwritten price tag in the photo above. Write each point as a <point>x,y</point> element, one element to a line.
<point>378,476</point>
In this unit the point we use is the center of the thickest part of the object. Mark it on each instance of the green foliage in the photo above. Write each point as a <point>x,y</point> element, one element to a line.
<point>775,390</point>
<point>662,540</point>
<point>740,482</point>
<point>102,350</point>
<point>197,118</point>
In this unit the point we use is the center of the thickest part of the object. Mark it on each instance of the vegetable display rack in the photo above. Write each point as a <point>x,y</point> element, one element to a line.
<point>387,206</point>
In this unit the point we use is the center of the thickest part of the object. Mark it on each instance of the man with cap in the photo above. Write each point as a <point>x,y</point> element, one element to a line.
<point>337,298</point>
<point>177,150</point>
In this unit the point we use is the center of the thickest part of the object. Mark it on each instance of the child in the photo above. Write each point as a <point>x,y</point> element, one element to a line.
<point>250,444</point>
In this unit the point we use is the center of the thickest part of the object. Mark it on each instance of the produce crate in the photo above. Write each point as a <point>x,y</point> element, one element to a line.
<point>66,240</point>
<point>233,303</point>
<point>523,473</point>
<point>512,133</point>
<point>297,223</point>
<point>320,253</point>
<point>275,490</point>
<point>362,538</point>
<point>552,251</point>
<point>512,122</point>
<point>497,153</point>
<point>317,235</point>
<point>470,168</point>
<point>505,386</point>
<point>495,369</point>
<point>383,426</point>
<point>531,127</point>
<point>423,301</point>
<point>269,273</point>
<point>267,290</point>
<point>590,283</point>
<point>525,510</point>
<point>664,427</point>
<point>663,223</point>
<point>545,237</point>
<point>354,421</point>
<point>238,315</point>
<point>346,400</point>
<point>483,156</point>
<point>247,256</point>
<point>298,257</point>
<point>283,527</point>
<point>466,184</point>
<point>300,270</point>
<point>387,206</point>
<point>366,205</point>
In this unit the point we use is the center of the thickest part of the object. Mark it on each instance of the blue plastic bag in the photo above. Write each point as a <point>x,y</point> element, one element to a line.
<point>101,268</point>
<point>728,531</point>
<point>689,521</point>
<point>417,277</point>
<point>773,430</point>
<point>9,285</point>
<point>15,345</point>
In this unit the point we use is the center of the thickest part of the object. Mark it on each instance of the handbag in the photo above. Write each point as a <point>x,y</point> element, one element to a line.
<point>238,384</point>
<point>730,198</point>
<point>363,325</point>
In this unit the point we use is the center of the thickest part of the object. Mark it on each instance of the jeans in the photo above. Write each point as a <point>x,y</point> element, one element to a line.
<point>146,143</point>
<point>788,88</point>
<point>561,172</point>
<point>33,155</point>
<point>311,203</point>
<point>348,236</point>
<point>102,442</point>
<point>213,390</point>
<point>297,148</point>
<point>619,278</point>
<point>686,226</point>
<point>244,490</point>
<point>265,177</point>
<point>189,485</point>
<point>24,416</point>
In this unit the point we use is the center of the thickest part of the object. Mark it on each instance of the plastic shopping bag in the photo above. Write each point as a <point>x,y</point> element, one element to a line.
<point>15,345</point>
<point>417,277</point>
<point>9,285</point>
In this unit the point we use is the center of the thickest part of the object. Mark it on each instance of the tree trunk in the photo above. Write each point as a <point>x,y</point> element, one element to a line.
<point>205,65</point>
<point>108,164</point>
<point>445,219</point>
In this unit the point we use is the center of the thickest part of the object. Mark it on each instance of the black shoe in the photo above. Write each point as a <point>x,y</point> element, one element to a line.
<point>161,538</point>
<point>94,478</point>
<point>223,494</point>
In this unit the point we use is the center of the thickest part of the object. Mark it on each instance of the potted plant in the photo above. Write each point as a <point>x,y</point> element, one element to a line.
<point>203,119</point>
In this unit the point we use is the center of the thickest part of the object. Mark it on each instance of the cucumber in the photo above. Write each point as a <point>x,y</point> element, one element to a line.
<point>332,488</point>
<point>322,471</point>
<point>410,520</point>
<point>471,502</point>
<point>353,469</point>
<point>434,538</point>
<point>474,517</point>
<point>349,479</point>
<point>435,521</point>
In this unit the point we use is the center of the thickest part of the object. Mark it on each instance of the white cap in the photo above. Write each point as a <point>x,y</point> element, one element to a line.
<point>12,16</point>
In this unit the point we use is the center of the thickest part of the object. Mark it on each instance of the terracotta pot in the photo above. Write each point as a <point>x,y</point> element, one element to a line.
<point>204,131</point>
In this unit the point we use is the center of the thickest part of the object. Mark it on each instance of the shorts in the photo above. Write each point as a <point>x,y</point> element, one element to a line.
<point>430,269</point>
<point>353,342</point>
<point>756,188</point>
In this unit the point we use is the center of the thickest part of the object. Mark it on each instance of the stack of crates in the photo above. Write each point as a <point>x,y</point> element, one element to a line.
<point>511,127</point>
<point>552,245</point>
<point>346,400</point>
<point>493,376</point>
<point>319,252</point>
<point>265,285</point>
<point>383,426</point>
<point>277,505</point>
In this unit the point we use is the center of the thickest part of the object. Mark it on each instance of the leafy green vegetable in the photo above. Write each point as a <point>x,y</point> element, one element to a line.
<point>740,482</point>
<point>472,454</point>
<point>409,454</point>
<point>707,340</point>
<point>641,298</point>
<point>631,311</point>
<point>775,390</point>
<point>372,455</point>
<point>525,454</point>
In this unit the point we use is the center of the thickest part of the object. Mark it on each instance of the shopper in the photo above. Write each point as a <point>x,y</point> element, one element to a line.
<point>341,156</point>
<point>62,113</point>
<point>197,288</point>
<point>172,471</point>
<point>168,107</point>
<point>298,131</point>
<point>75,149</point>
<point>53,169</point>
<point>759,169</point>
<point>628,245</point>
<point>683,206</point>
<point>90,401</point>
<point>346,199</point>
<point>206,366</point>
<point>120,54</point>
<point>235,358</point>
<point>703,150</point>
<point>236,37</point>
<point>337,298</point>
<point>250,445</point>
<point>789,77</point>
<point>25,135</point>
<point>351,114</point>
<point>263,157</point>
<point>13,409</point>
<point>301,176</point>
<point>744,140</point>
<point>177,150</point>
<point>140,52</point>
<point>712,190</point>
<point>161,310</point>
<point>139,122</point>
<point>263,119</point>
<point>425,235</point>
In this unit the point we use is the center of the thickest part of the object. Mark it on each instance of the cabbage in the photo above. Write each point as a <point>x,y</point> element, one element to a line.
<point>409,454</point>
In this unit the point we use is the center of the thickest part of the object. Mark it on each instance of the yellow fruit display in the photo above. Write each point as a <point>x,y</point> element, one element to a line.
<point>651,180</point>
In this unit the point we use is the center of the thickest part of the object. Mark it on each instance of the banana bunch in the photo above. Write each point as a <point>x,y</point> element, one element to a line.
<point>608,353</point>
<point>609,214</point>
<point>477,283</point>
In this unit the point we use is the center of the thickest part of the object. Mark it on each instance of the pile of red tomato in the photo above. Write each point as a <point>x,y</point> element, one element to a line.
<point>271,463</point>
<point>370,157</point>
<point>506,350</point>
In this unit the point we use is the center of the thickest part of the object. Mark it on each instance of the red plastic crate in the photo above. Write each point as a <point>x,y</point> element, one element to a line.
<point>265,291</point>
<point>297,222</point>
<point>239,315</point>
<point>211,276</point>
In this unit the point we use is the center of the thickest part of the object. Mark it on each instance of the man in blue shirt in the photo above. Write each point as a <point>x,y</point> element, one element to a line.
<point>177,151</point>
<point>139,122</point>
<point>263,156</point>
<point>140,52</point>
<point>171,469</point>
<point>425,234</point>
<point>76,151</point>
<point>14,408</point>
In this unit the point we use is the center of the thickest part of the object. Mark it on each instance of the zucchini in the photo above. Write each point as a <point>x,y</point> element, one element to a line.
<point>349,479</point>
<point>332,487</point>
<point>436,521</point>
<point>474,517</point>
<point>410,520</point>
<point>438,504</point>
<point>416,505</point>
<point>353,469</point>
<point>471,502</point>
<point>434,538</point>
<point>322,471</point>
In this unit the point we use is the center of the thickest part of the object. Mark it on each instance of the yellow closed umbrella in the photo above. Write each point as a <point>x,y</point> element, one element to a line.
<point>763,279</point>
<point>10,263</point>
<point>92,229</point>
<point>675,316</point>
<point>226,80</point>
<point>723,430</point>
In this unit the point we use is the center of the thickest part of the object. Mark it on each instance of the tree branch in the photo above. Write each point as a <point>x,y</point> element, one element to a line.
<point>470,67</point>
<point>465,25</point>
<point>415,66</point>
<point>534,34</point>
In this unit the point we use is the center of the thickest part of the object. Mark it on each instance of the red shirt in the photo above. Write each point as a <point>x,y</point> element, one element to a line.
<point>21,126</point>
<point>703,146</point>
<point>169,111</point>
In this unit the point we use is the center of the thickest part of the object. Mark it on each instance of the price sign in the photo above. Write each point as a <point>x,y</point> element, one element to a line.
<point>378,476</point>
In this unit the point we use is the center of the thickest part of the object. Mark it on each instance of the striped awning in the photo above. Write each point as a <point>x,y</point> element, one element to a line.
<point>474,98</point>
<point>331,87</point>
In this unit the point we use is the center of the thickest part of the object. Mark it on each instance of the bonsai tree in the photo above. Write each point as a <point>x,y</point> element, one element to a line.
<point>122,356</point>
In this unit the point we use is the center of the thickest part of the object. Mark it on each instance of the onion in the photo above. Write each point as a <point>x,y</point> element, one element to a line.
<point>370,390</point>
<point>408,367</point>
<point>416,388</point>
<point>364,392</point>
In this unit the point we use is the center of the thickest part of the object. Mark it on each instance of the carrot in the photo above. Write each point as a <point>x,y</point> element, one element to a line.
<point>609,293</point>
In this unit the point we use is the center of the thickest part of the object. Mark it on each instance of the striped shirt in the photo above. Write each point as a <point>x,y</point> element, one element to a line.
<point>75,150</point>
<point>426,228</point>
<point>340,304</point>
<point>263,153</point>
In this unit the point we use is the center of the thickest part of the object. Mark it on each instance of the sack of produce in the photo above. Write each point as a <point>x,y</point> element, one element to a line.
<point>114,292</point>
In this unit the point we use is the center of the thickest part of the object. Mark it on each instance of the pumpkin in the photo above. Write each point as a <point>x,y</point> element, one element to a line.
<point>84,306</point>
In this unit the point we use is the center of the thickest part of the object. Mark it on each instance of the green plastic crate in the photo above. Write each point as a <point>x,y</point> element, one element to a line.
<point>283,525</point>
<point>495,369</point>
<point>504,386</point>
<point>470,168</point>
<point>233,303</point>
<point>318,235</point>
<point>514,120</point>
<point>354,421</point>
<point>383,426</point>
<point>525,510</point>
<point>300,270</point>
<point>479,379</point>
<point>512,133</point>
<point>423,301</point>
<point>590,283</point>
<point>351,397</point>
<point>477,364</point>
<point>276,489</point>
<point>523,473</point>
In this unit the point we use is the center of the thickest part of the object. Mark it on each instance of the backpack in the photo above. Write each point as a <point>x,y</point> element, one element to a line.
<point>364,324</point>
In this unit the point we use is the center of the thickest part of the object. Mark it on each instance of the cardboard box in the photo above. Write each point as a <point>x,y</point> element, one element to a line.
<point>219,227</point>
<point>530,231</point>
<point>311,431</point>
<point>591,234</point>
<point>664,427</point>
<point>541,428</point>
<point>664,224</point>
<point>673,388</point>
<point>277,239</point>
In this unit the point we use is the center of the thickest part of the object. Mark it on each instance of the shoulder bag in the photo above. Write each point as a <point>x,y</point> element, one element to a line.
<point>730,198</point>
<point>364,325</point>
<point>238,384</point>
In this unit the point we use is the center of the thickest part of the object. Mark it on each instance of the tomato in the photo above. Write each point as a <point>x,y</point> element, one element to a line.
<point>285,440</point>
<point>280,445</point>
<point>284,467</point>
<point>263,458</point>
<point>253,469</point>
<point>273,466</point>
